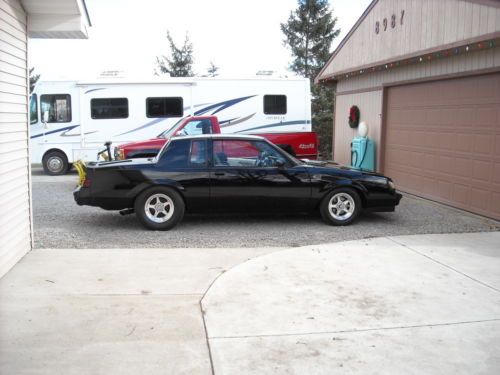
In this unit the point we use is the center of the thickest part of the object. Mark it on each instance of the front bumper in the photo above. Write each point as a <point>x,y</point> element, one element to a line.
<point>382,202</point>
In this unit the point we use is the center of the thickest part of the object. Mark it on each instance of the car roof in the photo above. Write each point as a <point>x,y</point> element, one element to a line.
<point>220,136</point>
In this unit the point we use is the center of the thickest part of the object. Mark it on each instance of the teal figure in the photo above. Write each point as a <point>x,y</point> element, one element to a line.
<point>363,150</point>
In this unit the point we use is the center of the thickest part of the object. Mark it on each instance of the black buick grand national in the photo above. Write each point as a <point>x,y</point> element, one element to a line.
<point>231,173</point>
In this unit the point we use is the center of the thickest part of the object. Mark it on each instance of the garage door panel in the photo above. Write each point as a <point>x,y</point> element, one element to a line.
<point>442,141</point>
<point>482,171</point>
<point>485,116</point>
<point>495,204</point>
<point>496,173</point>
<point>480,199</point>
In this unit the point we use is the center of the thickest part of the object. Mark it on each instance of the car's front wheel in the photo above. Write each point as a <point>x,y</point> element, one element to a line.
<point>159,208</point>
<point>341,207</point>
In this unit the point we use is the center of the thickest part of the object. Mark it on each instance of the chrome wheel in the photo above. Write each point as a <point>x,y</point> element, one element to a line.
<point>341,206</point>
<point>55,164</point>
<point>159,208</point>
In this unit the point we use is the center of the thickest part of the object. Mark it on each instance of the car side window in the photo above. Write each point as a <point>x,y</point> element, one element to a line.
<point>245,153</point>
<point>198,154</point>
<point>176,154</point>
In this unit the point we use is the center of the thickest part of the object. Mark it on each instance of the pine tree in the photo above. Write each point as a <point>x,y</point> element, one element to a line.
<point>33,79</point>
<point>309,33</point>
<point>212,70</point>
<point>180,62</point>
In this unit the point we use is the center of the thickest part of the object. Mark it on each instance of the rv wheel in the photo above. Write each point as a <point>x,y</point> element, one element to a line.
<point>55,163</point>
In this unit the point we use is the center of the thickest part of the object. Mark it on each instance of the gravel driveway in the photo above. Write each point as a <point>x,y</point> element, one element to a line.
<point>60,223</point>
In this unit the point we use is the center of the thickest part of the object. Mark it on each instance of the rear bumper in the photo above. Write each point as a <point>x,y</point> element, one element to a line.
<point>82,197</point>
<point>382,202</point>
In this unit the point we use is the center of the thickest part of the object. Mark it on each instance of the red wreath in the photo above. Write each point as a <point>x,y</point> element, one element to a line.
<point>354,117</point>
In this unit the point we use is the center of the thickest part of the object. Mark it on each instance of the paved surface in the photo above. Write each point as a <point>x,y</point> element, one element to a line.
<point>60,223</point>
<point>109,311</point>
<point>395,305</point>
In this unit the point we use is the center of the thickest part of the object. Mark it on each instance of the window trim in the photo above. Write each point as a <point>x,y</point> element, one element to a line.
<point>165,97</point>
<point>108,118</point>
<point>70,108</point>
<point>275,113</point>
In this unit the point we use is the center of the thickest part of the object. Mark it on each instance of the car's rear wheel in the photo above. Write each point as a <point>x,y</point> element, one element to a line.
<point>55,163</point>
<point>159,208</point>
<point>341,207</point>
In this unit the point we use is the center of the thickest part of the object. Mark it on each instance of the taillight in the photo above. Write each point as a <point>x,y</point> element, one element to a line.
<point>87,182</point>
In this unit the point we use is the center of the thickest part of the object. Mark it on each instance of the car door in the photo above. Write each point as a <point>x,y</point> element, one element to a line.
<point>184,163</point>
<point>252,175</point>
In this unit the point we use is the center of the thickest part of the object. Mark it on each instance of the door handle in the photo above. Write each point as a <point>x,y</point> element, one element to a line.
<point>219,173</point>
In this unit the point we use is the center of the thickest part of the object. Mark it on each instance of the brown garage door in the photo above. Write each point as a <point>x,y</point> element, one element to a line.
<point>442,141</point>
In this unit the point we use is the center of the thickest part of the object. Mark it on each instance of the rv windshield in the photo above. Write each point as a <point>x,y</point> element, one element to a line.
<point>168,133</point>
<point>33,110</point>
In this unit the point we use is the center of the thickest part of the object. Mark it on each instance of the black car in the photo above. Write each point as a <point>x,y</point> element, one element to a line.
<point>231,173</point>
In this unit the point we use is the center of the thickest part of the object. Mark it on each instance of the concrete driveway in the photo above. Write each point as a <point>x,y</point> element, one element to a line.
<point>427,304</point>
<point>395,305</point>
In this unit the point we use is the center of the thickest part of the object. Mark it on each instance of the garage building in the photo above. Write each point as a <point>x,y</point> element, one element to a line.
<point>425,75</point>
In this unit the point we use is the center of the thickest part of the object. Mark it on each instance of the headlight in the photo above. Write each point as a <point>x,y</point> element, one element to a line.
<point>119,155</point>
<point>391,185</point>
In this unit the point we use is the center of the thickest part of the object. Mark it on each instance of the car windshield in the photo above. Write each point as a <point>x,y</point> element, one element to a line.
<point>168,133</point>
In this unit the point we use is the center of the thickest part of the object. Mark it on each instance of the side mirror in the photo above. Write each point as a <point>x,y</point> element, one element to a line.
<point>45,118</point>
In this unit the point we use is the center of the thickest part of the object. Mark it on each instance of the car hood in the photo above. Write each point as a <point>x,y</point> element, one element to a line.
<point>148,143</point>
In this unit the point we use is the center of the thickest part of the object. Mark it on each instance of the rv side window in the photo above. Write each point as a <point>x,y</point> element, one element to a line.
<point>275,104</point>
<point>164,107</point>
<point>58,106</point>
<point>33,109</point>
<point>109,108</point>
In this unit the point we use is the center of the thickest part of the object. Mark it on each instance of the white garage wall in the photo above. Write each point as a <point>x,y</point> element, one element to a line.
<point>15,210</point>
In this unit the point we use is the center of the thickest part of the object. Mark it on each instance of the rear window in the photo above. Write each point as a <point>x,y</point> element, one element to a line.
<point>164,107</point>
<point>109,108</point>
<point>198,155</point>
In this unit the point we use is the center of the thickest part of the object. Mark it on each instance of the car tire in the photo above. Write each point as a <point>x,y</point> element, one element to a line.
<point>159,208</point>
<point>55,163</point>
<point>341,206</point>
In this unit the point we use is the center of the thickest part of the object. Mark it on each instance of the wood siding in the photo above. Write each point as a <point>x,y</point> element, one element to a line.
<point>15,210</point>
<point>426,24</point>
<point>370,104</point>
<point>486,59</point>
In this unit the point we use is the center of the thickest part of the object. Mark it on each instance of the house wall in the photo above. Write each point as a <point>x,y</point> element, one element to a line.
<point>424,25</point>
<point>15,210</point>
<point>366,91</point>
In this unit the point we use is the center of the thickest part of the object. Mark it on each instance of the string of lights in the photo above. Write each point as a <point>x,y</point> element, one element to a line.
<point>423,58</point>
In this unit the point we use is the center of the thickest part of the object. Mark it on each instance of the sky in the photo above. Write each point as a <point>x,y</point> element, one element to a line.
<point>240,37</point>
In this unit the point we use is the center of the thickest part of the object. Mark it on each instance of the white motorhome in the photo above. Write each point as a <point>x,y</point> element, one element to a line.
<point>72,120</point>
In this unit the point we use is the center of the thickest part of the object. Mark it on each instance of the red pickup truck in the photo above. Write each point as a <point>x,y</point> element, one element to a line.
<point>303,145</point>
